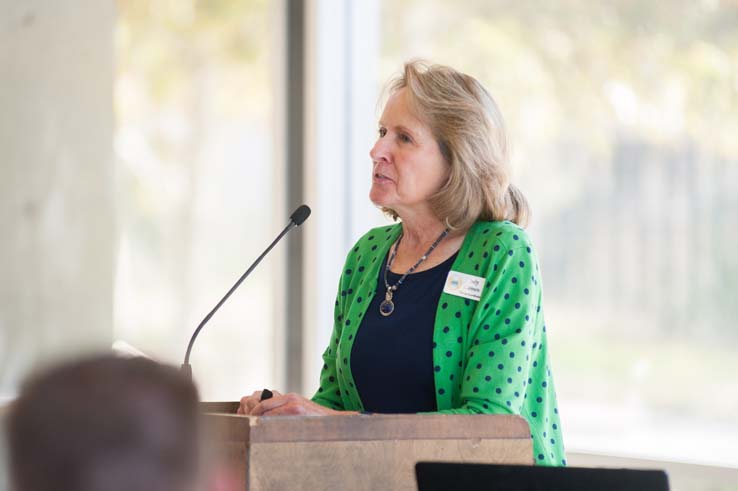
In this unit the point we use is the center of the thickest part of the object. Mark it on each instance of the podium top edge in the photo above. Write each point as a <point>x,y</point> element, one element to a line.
<point>369,427</point>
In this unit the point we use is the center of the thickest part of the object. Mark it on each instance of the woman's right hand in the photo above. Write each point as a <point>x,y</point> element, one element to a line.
<point>249,402</point>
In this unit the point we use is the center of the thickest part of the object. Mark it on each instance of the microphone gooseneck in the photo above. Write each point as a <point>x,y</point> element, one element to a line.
<point>296,219</point>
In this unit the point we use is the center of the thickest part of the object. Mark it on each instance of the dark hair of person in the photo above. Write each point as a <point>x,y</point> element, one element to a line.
<point>105,424</point>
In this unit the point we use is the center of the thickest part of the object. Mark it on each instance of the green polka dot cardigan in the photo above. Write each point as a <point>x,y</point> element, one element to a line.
<point>490,356</point>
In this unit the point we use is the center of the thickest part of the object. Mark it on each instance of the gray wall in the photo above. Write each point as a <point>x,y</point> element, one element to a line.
<point>56,182</point>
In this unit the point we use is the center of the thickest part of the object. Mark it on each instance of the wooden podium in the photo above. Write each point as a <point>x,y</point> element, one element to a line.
<point>358,452</point>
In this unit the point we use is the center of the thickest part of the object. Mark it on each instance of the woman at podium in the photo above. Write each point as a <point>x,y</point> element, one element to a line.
<point>441,312</point>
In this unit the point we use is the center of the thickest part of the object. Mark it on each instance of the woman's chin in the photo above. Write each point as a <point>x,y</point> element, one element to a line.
<point>379,197</point>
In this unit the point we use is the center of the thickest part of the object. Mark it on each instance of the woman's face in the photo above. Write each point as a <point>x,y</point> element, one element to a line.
<point>408,165</point>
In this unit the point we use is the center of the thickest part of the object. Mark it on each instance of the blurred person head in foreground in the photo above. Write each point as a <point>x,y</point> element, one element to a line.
<point>105,424</point>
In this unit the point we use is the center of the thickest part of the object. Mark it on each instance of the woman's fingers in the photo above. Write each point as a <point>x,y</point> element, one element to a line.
<point>247,403</point>
<point>278,404</point>
<point>270,404</point>
<point>288,409</point>
<point>290,404</point>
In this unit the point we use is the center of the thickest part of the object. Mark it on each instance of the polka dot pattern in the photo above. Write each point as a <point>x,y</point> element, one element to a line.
<point>489,356</point>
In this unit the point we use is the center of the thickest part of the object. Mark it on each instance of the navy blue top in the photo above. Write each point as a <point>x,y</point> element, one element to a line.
<point>392,357</point>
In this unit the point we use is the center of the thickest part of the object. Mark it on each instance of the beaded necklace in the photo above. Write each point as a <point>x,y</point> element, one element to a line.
<point>387,306</point>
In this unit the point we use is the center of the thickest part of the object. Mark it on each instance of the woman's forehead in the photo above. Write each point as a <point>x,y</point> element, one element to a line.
<point>398,111</point>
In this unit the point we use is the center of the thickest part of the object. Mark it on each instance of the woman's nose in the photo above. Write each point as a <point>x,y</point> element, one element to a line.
<point>379,151</point>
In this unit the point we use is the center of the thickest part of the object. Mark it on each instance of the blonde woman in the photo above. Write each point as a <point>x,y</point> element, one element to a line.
<point>441,312</point>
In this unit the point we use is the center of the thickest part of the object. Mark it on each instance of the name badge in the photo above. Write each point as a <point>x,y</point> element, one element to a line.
<point>464,285</point>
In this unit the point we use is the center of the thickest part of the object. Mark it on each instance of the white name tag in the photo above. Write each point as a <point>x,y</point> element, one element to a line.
<point>464,285</point>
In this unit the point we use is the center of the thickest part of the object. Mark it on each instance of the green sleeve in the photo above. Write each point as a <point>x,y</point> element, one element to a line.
<point>502,335</point>
<point>329,393</point>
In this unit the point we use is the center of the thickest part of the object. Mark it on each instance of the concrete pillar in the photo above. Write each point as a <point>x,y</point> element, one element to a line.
<point>57,243</point>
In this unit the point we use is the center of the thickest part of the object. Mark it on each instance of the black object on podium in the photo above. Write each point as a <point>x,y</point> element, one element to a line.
<point>437,476</point>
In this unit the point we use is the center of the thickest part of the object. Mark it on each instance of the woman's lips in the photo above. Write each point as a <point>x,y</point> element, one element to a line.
<point>381,178</point>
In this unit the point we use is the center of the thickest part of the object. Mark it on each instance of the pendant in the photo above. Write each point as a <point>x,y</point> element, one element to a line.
<point>387,307</point>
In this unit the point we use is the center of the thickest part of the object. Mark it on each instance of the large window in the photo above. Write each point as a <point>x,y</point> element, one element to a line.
<point>623,122</point>
<point>194,102</point>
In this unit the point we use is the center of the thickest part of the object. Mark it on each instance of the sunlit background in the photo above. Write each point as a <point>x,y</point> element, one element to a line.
<point>132,202</point>
<point>197,182</point>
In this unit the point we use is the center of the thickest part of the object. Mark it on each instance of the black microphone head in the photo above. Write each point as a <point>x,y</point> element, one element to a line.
<point>300,215</point>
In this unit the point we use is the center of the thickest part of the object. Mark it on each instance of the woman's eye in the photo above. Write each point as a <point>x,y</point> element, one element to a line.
<point>404,138</point>
<point>382,131</point>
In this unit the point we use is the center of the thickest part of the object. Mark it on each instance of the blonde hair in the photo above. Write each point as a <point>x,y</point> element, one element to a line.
<point>470,132</point>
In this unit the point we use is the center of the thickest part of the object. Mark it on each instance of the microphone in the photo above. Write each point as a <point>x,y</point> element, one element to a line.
<point>296,219</point>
